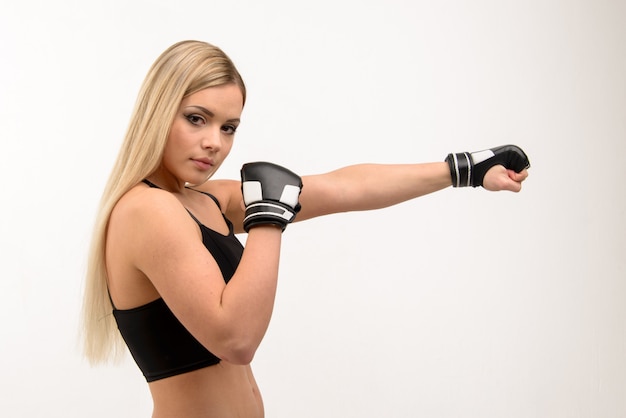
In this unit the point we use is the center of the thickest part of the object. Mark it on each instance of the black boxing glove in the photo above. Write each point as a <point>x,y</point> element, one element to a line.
<point>270,193</point>
<point>469,169</point>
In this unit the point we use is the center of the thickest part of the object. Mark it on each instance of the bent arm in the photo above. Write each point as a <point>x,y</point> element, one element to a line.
<point>229,320</point>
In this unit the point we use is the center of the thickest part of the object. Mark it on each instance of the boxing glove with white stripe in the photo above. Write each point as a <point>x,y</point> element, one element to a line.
<point>270,194</point>
<point>469,169</point>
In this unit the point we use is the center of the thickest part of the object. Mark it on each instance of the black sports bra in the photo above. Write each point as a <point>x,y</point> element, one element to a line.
<point>161,346</point>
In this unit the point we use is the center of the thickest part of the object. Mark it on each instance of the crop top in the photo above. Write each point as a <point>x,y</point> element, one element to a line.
<point>160,345</point>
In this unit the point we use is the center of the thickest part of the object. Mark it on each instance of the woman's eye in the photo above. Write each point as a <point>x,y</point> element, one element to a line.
<point>195,119</point>
<point>229,129</point>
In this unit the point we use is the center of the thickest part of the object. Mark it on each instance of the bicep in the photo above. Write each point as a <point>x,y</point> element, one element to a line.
<point>322,194</point>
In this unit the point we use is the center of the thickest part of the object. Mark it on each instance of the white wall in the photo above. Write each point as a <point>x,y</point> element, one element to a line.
<point>461,304</point>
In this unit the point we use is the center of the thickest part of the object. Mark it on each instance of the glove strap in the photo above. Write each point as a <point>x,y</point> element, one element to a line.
<point>267,212</point>
<point>460,169</point>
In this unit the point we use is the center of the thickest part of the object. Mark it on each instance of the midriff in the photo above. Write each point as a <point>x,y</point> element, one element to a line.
<point>221,391</point>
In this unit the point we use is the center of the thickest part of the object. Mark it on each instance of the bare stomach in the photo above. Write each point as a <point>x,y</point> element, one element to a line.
<point>221,391</point>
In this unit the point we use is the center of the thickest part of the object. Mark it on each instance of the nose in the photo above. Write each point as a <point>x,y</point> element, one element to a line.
<point>212,139</point>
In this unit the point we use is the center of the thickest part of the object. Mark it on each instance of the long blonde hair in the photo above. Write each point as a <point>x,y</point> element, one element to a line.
<point>181,70</point>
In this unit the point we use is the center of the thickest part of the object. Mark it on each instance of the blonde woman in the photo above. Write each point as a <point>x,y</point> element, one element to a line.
<point>168,279</point>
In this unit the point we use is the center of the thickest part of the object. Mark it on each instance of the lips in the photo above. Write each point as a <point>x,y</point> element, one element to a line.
<point>202,163</point>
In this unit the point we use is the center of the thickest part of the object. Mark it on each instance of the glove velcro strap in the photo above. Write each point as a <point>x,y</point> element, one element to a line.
<point>267,212</point>
<point>460,169</point>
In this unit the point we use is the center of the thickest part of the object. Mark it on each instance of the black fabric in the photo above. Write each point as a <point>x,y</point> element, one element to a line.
<point>161,346</point>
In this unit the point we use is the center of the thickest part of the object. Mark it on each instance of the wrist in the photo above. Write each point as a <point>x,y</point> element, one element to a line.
<point>460,165</point>
<point>266,228</point>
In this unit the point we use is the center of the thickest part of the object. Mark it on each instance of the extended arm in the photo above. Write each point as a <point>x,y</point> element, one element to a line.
<point>374,186</point>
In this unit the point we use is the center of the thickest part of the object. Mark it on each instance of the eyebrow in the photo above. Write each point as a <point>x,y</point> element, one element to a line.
<point>211,114</point>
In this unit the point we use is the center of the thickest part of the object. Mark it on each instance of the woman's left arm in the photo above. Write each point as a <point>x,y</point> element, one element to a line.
<point>374,186</point>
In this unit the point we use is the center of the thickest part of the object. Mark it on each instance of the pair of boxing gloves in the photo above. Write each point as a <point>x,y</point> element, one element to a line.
<point>271,192</point>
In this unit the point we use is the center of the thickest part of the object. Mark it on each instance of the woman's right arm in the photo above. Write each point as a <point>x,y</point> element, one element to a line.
<point>229,320</point>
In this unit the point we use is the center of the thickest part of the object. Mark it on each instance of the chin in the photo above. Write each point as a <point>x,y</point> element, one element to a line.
<point>198,181</point>
<point>195,184</point>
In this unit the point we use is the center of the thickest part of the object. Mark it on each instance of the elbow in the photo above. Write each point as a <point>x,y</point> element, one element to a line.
<point>240,358</point>
<point>238,352</point>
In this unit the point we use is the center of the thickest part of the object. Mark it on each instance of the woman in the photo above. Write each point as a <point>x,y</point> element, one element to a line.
<point>165,269</point>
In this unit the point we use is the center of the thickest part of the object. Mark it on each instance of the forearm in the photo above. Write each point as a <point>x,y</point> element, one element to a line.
<point>370,186</point>
<point>248,299</point>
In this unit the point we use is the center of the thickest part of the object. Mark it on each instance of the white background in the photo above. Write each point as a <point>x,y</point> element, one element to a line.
<point>464,303</point>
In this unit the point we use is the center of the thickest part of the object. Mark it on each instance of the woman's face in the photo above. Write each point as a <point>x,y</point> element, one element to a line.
<point>202,133</point>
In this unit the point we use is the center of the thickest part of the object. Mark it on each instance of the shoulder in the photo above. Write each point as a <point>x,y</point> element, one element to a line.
<point>142,200</point>
<point>144,213</point>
